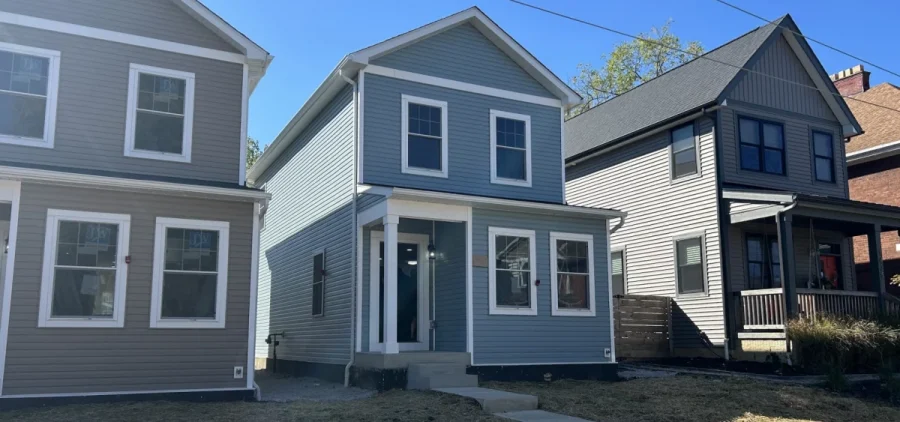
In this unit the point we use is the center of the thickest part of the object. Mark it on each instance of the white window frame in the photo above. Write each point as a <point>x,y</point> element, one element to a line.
<point>493,232</point>
<point>52,93</point>
<point>54,216</point>
<point>405,100</point>
<point>554,287</point>
<point>159,263</point>
<point>512,116</point>
<point>130,122</point>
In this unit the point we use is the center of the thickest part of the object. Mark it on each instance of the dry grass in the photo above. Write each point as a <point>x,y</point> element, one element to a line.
<point>688,398</point>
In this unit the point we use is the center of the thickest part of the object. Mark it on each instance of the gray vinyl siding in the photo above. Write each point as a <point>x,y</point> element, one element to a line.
<point>161,19</point>
<point>463,54</point>
<point>468,142</point>
<point>92,103</point>
<point>136,357</point>
<point>800,176</point>
<point>542,338</point>
<point>636,179</point>
<point>311,184</point>
<point>367,201</point>
<point>450,287</point>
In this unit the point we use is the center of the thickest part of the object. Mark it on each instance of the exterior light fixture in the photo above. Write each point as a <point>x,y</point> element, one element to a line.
<point>431,251</point>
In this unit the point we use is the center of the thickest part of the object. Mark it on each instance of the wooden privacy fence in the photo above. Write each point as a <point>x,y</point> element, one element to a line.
<point>643,326</point>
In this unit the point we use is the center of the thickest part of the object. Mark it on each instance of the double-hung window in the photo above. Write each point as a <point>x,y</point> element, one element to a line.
<point>572,271</point>
<point>424,136</point>
<point>29,80</point>
<point>318,284</point>
<point>690,271</point>
<point>618,272</point>
<point>761,146</point>
<point>512,272</point>
<point>763,262</point>
<point>160,115</point>
<point>684,151</point>
<point>190,274</point>
<point>84,274</point>
<point>510,148</point>
<point>823,152</point>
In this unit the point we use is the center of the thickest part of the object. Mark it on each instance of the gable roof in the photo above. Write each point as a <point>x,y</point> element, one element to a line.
<point>695,85</point>
<point>355,61</point>
<point>882,126</point>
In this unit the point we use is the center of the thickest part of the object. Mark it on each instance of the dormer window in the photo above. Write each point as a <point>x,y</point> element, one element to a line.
<point>424,136</point>
<point>160,114</point>
<point>510,148</point>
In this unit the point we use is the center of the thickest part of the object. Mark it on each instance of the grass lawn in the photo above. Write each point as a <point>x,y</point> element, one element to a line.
<point>681,398</point>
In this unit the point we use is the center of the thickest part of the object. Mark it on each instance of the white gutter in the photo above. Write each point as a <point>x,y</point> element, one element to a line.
<point>355,192</point>
<point>873,153</point>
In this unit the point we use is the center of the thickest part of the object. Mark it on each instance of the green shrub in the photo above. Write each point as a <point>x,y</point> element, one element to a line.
<point>829,343</point>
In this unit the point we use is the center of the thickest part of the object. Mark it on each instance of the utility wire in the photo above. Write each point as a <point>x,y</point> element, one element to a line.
<point>811,39</point>
<point>696,56</point>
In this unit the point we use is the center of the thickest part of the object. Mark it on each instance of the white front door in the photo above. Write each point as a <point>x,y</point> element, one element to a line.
<point>412,292</point>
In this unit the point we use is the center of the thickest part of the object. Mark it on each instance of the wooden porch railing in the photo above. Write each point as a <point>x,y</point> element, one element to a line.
<point>763,309</point>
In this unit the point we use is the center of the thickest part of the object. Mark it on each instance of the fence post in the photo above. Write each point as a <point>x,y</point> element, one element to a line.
<point>671,330</point>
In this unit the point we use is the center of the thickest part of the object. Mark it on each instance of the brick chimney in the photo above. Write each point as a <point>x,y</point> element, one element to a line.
<point>851,81</point>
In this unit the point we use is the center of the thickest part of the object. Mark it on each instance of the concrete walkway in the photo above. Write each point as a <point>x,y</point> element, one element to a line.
<point>514,406</point>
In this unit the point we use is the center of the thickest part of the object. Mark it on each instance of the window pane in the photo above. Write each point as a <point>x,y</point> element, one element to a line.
<point>513,288</point>
<point>572,291</point>
<point>513,253</point>
<point>618,273</point>
<point>22,116</point>
<point>424,120</point>
<point>755,275</point>
<point>189,295</point>
<point>87,244</point>
<point>158,132</point>
<point>685,163</point>
<point>683,138</point>
<point>754,249</point>
<point>83,293</point>
<point>823,144</point>
<point>318,266</point>
<point>824,170</point>
<point>571,256</point>
<point>618,266</point>
<point>772,136</point>
<point>749,131</point>
<point>774,163</point>
<point>690,265</point>
<point>161,93</point>
<point>424,152</point>
<point>511,164</point>
<point>192,250</point>
<point>510,133</point>
<point>750,157</point>
<point>24,73</point>
<point>317,298</point>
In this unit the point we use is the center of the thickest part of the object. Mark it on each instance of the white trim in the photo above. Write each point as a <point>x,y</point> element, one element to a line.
<point>562,151</point>
<point>117,183</point>
<point>511,116</point>
<point>612,324</point>
<point>53,57</point>
<point>254,285</point>
<point>119,37</point>
<point>119,393</point>
<point>134,72</point>
<point>470,319</point>
<point>427,210</point>
<point>361,110</point>
<point>9,192</point>
<point>117,319</point>
<point>544,363</point>
<point>554,280</point>
<point>404,124</point>
<point>493,232</point>
<point>461,86</point>
<point>359,287</point>
<point>223,29</point>
<point>245,109</point>
<point>873,153</point>
<point>159,258</point>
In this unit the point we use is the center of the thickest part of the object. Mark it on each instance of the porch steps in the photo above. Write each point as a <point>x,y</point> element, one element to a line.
<point>495,401</point>
<point>430,376</point>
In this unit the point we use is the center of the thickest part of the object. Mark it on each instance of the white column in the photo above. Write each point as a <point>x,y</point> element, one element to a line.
<point>390,284</point>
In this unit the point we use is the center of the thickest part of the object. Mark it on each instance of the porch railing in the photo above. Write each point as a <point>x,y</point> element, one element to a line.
<point>763,309</point>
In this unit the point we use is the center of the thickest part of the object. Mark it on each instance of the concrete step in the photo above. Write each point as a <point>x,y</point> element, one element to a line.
<point>495,401</point>
<point>538,416</point>
<point>433,382</point>
<point>429,369</point>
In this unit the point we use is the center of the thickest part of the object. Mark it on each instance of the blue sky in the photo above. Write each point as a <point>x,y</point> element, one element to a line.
<point>309,37</point>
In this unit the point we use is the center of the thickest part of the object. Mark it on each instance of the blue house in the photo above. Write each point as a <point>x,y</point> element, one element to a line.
<point>418,217</point>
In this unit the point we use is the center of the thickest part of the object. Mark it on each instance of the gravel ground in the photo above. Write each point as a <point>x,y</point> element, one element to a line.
<point>283,389</point>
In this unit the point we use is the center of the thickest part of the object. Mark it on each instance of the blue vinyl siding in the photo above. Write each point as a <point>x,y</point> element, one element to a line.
<point>462,53</point>
<point>468,139</point>
<point>515,339</point>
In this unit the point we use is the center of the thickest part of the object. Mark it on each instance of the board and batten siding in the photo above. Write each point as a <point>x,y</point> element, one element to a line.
<point>92,104</point>
<point>469,142</point>
<point>160,19</point>
<point>636,179</point>
<point>541,338</point>
<point>311,184</point>
<point>136,357</point>
<point>462,53</point>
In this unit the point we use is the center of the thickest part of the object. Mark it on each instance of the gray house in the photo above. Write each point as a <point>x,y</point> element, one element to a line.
<point>129,266</point>
<point>731,169</point>
<point>418,217</point>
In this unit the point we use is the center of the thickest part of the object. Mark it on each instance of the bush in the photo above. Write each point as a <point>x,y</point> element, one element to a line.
<point>845,344</point>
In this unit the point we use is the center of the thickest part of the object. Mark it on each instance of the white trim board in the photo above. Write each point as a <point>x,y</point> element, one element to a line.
<point>495,114</point>
<point>53,58</point>
<point>254,285</point>
<point>591,310</point>
<point>493,308</point>
<point>9,192</point>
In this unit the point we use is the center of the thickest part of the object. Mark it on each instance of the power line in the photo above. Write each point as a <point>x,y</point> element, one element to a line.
<point>811,39</point>
<point>696,56</point>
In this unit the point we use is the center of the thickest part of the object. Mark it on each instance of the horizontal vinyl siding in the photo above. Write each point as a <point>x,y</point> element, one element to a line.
<point>543,338</point>
<point>311,186</point>
<point>92,102</point>
<point>463,54</point>
<point>469,142</point>
<point>450,287</point>
<point>636,179</point>
<point>161,19</point>
<point>136,357</point>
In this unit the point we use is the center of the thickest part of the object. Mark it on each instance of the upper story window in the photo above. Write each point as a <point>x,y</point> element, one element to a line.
<point>823,152</point>
<point>29,80</point>
<point>684,151</point>
<point>762,146</point>
<point>160,114</point>
<point>510,148</point>
<point>424,150</point>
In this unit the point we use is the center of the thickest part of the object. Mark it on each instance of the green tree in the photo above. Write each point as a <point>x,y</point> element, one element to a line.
<point>253,151</point>
<point>632,63</point>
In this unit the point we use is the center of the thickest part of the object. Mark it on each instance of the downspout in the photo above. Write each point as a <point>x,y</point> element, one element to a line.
<point>787,341</point>
<point>355,192</point>
<point>619,224</point>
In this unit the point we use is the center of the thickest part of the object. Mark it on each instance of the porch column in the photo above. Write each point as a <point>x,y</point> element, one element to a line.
<point>876,266</point>
<point>788,278</point>
<point>390,284</point>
